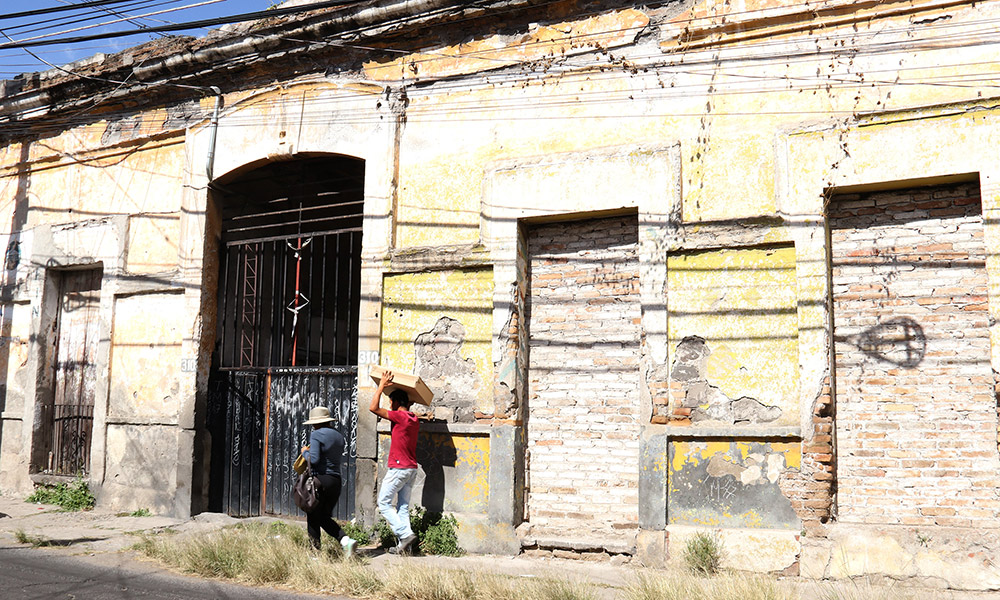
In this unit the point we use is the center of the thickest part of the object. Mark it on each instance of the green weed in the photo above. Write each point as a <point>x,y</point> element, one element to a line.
<point>703,553</point>
<point>36,541</point>
<point>357,532</point>
<point>438,534</point>
<point>74,496</point>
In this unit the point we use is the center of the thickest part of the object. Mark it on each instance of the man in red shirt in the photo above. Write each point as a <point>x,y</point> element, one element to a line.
<point>394,495</point>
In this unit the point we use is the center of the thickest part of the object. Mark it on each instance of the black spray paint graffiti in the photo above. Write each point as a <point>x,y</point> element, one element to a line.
<point>900,341</point>
<point>708,402</point>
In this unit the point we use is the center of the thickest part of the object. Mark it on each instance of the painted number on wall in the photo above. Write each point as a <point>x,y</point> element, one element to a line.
<point>369,357</point>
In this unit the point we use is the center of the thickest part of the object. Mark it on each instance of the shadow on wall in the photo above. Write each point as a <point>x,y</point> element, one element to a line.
<point>900,341</point>
<point>435,451</point>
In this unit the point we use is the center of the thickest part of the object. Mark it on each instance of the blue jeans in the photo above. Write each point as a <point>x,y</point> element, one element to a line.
<point>396,487</point>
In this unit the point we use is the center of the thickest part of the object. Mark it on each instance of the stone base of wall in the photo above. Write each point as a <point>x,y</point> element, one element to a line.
<point>477,534</point>
<point>753,550</point>
<point>941,557</point>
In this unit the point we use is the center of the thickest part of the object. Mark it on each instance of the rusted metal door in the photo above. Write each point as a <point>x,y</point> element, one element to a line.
<point>77,330</point>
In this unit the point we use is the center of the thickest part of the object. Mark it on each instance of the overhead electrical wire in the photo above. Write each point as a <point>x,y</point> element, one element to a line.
<point>574,38</point>
<point>119,13</point>
<point>810,56</point>
<point>42,39</point>
<point>67,20</point>
<point>55,9</point>
<point>239,18</point>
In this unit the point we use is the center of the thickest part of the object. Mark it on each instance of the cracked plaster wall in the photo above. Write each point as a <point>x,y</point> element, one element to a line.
<point>733,337</point>
<point>437,324</point>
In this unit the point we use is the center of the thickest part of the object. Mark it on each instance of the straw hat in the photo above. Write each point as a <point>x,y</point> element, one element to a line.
<point>320,414</point>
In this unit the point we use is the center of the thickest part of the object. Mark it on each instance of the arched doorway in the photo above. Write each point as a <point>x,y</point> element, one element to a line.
<point>287,327</point>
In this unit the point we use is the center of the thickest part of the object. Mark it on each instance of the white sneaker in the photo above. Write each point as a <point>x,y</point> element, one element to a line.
<point>348,545</point>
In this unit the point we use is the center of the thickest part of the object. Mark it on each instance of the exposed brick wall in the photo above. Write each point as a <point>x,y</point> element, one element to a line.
<point>811,489</point>
<point>583,380</point>
<point>916,415</point>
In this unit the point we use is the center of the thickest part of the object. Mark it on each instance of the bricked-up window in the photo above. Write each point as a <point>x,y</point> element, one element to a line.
<point>915,409</point>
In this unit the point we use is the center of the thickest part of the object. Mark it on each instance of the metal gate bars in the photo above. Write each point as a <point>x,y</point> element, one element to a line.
<point>287,340</point>
<point>256,418</point>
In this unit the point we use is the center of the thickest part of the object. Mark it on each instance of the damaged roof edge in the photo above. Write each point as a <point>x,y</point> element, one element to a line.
<point>241,44</point>
<point>379,12</point>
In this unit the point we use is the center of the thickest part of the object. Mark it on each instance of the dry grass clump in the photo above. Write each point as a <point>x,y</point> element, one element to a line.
<point>861,589</point>
<point>414,583</point>
<point>278,554</point>
<point>255,553</point>
<point>725,586</point>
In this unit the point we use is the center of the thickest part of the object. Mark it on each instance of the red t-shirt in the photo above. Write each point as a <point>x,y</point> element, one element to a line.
<point>403,445</point>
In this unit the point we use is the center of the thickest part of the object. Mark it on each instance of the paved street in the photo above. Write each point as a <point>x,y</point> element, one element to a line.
<point>35,574</point>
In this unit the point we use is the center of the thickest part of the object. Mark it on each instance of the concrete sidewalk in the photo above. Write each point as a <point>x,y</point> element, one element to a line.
<point>100,532</point>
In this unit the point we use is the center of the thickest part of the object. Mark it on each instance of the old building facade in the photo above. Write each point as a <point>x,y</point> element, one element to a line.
<point>668,267</point>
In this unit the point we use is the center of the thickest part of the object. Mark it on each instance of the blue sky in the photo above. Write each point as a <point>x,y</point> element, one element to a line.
<point>14,61</point>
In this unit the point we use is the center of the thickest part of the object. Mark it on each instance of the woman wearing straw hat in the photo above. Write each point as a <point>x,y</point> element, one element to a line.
<point>325,448</point>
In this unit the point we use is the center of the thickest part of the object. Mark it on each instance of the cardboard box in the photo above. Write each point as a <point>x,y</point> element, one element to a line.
<point>415,386</point>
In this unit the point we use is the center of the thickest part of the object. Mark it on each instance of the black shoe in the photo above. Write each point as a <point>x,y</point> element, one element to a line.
<point>406,544</point>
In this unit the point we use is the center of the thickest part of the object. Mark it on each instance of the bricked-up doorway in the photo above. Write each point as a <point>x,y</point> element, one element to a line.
<point>583,380</point>
<point>916,417</point>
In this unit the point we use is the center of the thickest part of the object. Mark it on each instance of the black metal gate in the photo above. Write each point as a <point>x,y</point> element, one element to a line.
<point>289,299</point>
<point>257,475</point>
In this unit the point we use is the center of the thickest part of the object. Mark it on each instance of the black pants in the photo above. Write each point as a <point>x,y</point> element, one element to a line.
<point>329,493</point>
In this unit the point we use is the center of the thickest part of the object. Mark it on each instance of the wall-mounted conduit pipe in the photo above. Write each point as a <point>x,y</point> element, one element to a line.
<point>214,133</point>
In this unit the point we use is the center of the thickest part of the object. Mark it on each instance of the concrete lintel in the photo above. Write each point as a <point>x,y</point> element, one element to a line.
<point>438,258</point>
<point>579,545</point>
<point>730,234</point>
<point>165,284</point>
<point>141,421</point>
<point>789,431</point>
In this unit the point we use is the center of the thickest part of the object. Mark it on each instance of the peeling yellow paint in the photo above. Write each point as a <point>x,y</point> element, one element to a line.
<point>473,466</point>
<point>414,302</point>
<point>694,453</point>
<point>744,303</point>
